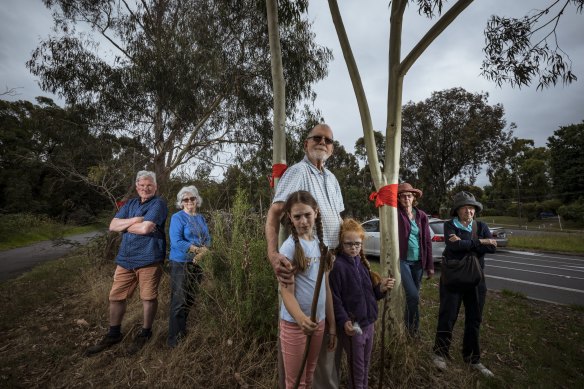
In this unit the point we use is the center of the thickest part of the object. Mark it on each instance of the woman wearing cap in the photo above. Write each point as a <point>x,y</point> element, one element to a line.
<point>463,235</point>
<point>415,251</point>
<point>189,239</point>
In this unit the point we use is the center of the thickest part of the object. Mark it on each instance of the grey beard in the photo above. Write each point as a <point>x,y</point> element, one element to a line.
<point>319,156</point>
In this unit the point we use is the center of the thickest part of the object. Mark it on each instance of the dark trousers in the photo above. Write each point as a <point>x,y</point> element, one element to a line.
<point>450,301</point>
<point>411,275</point>
<point>184,280</point>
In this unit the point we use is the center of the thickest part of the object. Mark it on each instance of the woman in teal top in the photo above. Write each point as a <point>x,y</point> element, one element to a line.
<point>415,251</point>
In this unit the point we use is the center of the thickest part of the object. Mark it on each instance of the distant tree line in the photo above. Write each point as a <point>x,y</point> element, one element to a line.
<point>52,162</point>
<point>531,181</point>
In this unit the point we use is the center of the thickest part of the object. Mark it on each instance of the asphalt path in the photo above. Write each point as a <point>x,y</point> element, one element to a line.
<point>554,278</point>
<point>17,261</point>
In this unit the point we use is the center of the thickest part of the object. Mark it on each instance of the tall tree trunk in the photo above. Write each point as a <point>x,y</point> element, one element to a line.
<point>388,214</point>
<point>397,70</point>
<point>279,141</point>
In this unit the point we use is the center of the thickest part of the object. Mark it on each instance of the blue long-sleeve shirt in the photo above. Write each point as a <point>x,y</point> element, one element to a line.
<point>186,230</point>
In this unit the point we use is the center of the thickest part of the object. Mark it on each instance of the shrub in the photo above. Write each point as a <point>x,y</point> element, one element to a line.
<point>243,281</point>
<point>574,211</point>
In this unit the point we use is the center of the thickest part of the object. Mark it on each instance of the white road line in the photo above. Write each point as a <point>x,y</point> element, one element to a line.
<point>557,267</point>
<point>537,284</point>
<point>529,254</point>
<point>524,253</point>
<point>537,272</point>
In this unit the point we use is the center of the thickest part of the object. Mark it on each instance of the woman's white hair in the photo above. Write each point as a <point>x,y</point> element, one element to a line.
<point>146,174</point>
<point>188,189</point>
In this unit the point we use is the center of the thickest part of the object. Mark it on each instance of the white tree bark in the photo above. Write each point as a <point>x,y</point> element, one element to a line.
<point>397,70</point>
<point>279,141</point>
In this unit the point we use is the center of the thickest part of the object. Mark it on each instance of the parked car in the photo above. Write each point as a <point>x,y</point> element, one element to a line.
<point>500,235</point>
<point>437,237</point>
<point>372,244</point>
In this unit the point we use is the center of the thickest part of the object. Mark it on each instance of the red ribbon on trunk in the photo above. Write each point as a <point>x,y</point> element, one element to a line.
<point>277,172</point>
<point>387,195</point>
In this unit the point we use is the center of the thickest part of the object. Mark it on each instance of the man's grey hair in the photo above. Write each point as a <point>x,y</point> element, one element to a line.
<point>188,189</point>
<point>146,174</point>
<point>319,125</point>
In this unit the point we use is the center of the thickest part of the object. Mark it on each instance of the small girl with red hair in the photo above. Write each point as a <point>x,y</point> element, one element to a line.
<point>356,289</point>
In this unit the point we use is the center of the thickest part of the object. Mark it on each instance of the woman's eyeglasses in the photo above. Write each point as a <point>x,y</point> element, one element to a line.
<point>191,199</point>
<point>352,244</point>
<point>319,138</point>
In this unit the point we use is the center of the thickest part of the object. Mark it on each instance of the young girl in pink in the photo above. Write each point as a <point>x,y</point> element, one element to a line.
<point>303,249</point>
<point>355,290</point>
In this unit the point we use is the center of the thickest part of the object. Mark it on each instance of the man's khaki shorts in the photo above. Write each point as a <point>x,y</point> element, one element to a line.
<point>126,281</point>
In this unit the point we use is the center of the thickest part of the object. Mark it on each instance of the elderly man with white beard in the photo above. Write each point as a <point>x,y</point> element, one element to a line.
<point>310,175</point>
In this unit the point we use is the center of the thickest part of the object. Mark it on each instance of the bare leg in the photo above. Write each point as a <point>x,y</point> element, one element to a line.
<point>150,307</point>
<point>117,309</point>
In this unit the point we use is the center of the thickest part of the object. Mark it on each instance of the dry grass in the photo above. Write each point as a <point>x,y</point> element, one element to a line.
<point>42,344</point>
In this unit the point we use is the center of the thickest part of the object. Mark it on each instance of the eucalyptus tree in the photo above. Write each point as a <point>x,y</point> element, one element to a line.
<point>515,54</point>
<point>51,161</point>
<point>450,136</point>
<point>566,147</point>
<point>187,78</point>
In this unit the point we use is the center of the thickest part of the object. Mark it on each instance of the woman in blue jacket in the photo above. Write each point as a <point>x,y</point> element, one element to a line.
<point>189,239</point>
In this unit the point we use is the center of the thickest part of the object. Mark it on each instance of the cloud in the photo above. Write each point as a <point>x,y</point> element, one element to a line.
<point>452,60</point>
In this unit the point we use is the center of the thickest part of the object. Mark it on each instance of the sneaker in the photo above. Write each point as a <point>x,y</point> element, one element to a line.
<point>105,342</point>
<point>139,342</point>
<point>439,362</point>
<point>484,371</point>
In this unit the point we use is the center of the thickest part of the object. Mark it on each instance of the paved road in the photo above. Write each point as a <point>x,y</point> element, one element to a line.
<point>549,277</point>
<point>553,278</point>
<point>17,261</point>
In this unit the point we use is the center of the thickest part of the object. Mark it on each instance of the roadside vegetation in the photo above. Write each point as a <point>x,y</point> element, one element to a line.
<point>547,224</point>
<point>51,314</point>
<point>545,234</point>
<point>17,230</point>
<point>565,243</point>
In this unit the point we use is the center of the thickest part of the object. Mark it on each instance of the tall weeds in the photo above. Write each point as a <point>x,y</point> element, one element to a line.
<point>243,280</point>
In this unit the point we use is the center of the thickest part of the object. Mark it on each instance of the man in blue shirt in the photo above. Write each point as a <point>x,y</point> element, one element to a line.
<point>139,261</point>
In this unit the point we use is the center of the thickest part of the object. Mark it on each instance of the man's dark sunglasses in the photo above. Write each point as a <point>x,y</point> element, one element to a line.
<point>319,138</point>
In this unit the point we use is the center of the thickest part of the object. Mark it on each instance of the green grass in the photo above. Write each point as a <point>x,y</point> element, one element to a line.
<point>536,224</point>
<point>45,283</point>
<point>526,343</point>
<point>569,239</point>
<point>18,230</point>
<point>569,243</point>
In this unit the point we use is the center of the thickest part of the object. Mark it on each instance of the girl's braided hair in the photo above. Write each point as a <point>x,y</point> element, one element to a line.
<point>351,225</point>
<point>301,262</point>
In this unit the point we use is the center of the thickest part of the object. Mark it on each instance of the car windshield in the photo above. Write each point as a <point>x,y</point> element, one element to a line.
<point>372,226</point>
<point>437,227</point>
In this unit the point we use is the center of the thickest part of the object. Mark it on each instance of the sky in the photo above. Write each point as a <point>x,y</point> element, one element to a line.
<point>452,60</point>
